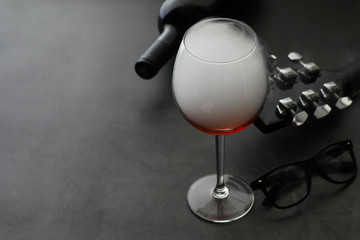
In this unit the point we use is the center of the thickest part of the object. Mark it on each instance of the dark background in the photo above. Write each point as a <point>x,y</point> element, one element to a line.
<point>88,150</point>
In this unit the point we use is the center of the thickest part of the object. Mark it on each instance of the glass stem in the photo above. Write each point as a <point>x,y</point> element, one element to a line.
<point>220,191</point>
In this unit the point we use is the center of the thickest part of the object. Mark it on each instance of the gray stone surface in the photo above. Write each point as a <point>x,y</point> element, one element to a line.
<point>88,150</point>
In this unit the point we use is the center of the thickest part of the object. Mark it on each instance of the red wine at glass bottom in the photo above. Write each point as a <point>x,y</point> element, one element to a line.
<point>224,131</point>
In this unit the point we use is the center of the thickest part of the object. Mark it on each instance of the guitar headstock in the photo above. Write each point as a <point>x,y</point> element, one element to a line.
<point>302,92</point>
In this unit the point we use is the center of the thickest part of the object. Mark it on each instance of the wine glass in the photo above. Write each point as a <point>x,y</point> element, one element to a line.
<point>219,86</point>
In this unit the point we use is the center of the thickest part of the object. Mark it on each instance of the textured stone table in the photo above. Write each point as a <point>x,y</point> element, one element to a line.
<point>88,150</point>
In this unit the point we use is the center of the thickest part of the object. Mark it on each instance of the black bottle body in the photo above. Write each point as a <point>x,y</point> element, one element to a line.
<point>175,17</point>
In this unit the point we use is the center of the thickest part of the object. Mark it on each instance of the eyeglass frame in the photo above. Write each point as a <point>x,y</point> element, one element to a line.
<point>306,165</point>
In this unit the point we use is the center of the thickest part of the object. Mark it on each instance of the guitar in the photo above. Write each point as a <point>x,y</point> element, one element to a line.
<point>303,93</point>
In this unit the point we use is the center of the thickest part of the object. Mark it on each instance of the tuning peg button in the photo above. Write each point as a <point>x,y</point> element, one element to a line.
<point>343,102</point>
<point>300,118</point>
<point>331,89</point>
<point>284,77</point>
<point>309,71</point>
<point>295,57</point>
<point>309,100</point>
<point>322,111</point>
<point>287,107</point>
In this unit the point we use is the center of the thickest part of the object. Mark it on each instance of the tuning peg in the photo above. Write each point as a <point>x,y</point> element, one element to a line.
<point>287,107</point>
<point>284,77</point>
<point>309,71</point>
<point>309,100</point>
<point>331,89</point>
<point>271,61</point>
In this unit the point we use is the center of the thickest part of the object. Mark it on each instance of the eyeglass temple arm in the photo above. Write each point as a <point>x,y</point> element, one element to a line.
<point>255,185</point>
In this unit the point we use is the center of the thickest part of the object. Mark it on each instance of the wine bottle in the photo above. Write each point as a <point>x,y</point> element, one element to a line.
<point>175,17</point>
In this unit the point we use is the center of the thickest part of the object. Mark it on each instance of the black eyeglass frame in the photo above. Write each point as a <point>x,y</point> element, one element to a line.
<point>307,166</point>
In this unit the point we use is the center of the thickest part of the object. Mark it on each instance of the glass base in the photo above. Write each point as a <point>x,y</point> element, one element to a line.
<point>236,205</point>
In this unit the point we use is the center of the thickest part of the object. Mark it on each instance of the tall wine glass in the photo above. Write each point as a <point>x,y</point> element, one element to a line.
<point>219,85</point>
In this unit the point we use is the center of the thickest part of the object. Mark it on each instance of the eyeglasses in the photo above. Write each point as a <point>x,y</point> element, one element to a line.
<point>288,185</point>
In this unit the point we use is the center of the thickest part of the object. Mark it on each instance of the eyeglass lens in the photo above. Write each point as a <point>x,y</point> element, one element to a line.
<point>336,163</point>
<point>287,186</point>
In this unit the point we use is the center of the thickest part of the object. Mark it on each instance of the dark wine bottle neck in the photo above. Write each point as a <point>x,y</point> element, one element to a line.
<point>158,53</point>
